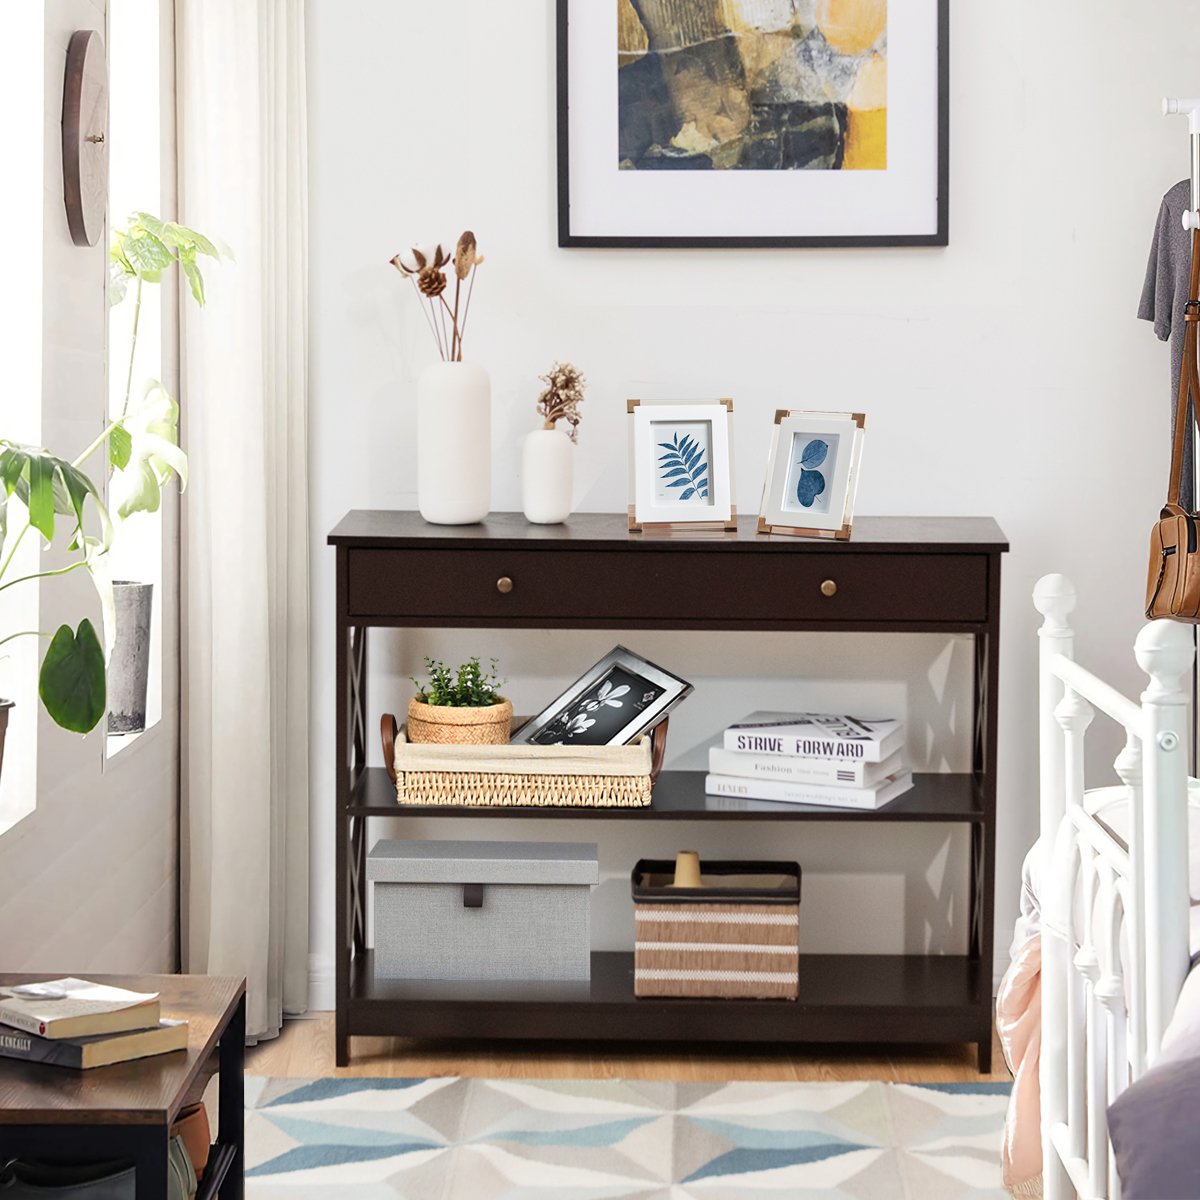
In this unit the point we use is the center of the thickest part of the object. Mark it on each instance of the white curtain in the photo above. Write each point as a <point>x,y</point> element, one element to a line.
<point>243,180</point>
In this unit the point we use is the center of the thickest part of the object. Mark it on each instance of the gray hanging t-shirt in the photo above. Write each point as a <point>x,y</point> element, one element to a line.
<point>1164,294</point>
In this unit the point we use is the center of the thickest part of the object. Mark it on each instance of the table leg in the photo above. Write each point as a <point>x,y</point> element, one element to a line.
<point>149,1153</point>
<point>231,1100</point>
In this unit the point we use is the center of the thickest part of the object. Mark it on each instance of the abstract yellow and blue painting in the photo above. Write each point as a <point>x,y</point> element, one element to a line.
<point>752,85</point>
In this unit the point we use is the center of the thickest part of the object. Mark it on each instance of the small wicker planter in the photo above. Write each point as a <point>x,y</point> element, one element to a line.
<point>446,725</point>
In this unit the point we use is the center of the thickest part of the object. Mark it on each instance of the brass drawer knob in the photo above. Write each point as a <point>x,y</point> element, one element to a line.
<point>504,585</point>
<point>829,588</point>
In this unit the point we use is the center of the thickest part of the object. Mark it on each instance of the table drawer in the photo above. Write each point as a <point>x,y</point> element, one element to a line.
<point>677,585</point>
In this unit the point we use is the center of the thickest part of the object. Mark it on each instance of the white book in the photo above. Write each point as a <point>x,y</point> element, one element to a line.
<point>816,735</point>
<point>841,772</point>
<point>63,1008</point>
<point>799,793</point>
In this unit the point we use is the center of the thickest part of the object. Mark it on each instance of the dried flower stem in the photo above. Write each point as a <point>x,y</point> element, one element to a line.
<point>466,307</point>
<point>427,311</point>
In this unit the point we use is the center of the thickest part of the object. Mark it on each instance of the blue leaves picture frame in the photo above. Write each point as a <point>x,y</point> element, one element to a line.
<point>681,465</point>
<point>812,474</point>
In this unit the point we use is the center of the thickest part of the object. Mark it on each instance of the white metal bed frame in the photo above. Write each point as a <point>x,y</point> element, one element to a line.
<point>1114,915</point>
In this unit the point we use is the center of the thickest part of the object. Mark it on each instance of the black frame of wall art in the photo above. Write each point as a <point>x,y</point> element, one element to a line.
<point>941,237</point>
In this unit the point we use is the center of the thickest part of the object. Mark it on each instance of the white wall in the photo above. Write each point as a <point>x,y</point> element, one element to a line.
<point>1005,375</point>
<point>88,878</point>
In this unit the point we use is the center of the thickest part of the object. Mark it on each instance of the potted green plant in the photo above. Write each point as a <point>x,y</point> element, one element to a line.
<point>140,254</point>
<point>71,678</point>
<point>461,707</point>
<point>142,444</point>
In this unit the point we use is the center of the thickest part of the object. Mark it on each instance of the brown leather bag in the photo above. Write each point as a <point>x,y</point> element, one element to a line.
<point>1173,584</point>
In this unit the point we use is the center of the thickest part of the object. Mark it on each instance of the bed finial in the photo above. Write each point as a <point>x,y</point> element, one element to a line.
<point>1054,597</point>
<point>1164,651</point>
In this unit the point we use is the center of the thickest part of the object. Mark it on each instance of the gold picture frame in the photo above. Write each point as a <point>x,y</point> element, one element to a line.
<point>837,434</point>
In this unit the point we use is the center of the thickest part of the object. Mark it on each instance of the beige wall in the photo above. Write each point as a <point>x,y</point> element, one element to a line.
<point>88,880</point>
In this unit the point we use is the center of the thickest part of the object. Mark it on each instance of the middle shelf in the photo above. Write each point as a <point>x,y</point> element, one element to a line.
<point>680,796</point>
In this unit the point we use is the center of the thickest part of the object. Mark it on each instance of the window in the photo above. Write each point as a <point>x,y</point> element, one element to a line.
<point>25,197</point>
<point>135,185</point>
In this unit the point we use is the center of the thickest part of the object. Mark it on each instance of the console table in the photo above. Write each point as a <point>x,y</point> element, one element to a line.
<point>897,575</point>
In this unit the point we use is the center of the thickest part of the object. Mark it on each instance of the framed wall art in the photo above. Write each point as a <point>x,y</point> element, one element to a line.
<point>753,122</point>
<point>681,465</point>
<point>812,474</point>
<point>610,704</point>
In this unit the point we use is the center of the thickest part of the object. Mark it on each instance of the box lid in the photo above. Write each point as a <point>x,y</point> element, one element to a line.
<point>724,882</point>
<point>396,861</point>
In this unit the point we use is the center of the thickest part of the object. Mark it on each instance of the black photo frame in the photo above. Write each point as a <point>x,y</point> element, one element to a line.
<point>567,237</point>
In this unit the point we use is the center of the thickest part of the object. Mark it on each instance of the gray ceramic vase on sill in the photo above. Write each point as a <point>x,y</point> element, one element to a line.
<point>129,665</point>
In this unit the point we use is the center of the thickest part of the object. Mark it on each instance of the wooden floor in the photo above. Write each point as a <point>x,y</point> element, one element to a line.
<point>304,1050</point>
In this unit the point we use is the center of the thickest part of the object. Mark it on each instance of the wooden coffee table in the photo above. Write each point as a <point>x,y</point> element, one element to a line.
<point>125,1111</point>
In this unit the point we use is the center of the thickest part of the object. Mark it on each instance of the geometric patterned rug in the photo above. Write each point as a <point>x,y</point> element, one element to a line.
<point>504,1139</point>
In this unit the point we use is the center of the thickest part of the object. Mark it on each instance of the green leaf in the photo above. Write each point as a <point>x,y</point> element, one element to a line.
<point>12,466</point>
<point>147,254</point>
<point>71,683</point>
<point>48,485</point>
<point>118,283</point>
<point>187,260</point>
<point>41,496</point>
<point>119,446</point>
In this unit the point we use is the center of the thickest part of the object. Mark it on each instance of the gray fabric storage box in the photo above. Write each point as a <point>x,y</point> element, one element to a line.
<point>483,910</point>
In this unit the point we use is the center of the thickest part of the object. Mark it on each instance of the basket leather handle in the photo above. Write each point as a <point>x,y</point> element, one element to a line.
<point>387,733</point>
<point>1188,395</point>
<point>658,749</point>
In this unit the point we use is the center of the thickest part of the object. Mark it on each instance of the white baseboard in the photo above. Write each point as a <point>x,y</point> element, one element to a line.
<point>321,990</point>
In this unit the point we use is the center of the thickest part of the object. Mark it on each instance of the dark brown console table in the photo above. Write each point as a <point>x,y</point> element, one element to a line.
<point>897,575</point>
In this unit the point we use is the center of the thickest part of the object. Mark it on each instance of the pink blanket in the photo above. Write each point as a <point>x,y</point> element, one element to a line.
<point>1019,1023</point>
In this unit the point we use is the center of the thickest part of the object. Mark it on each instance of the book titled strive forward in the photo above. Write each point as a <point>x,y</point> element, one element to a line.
<point>816,735</point>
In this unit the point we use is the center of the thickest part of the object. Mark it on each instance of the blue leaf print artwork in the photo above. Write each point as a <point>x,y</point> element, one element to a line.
<point>812,482</point>
<point>683,466</point>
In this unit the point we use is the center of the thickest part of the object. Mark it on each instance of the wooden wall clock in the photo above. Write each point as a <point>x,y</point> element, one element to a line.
<point>85,136</point>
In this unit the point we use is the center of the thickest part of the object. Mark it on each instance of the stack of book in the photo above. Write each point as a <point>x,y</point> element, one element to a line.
<point>74,1023</point>
<point>811,758</point>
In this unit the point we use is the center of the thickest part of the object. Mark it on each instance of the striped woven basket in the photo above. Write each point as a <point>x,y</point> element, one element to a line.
<point>735,937</point>
<point>521,776</point>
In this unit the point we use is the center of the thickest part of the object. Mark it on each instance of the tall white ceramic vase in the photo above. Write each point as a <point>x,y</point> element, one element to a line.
<point>454,444</point>
<point>547,476</point>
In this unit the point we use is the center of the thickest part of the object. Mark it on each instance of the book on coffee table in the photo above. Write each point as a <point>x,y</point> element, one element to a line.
<point>67,1008</point>
<point>83,1053</point>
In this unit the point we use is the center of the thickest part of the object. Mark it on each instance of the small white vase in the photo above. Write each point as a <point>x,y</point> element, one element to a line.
<point>547,476</point>
<point>454,444</point>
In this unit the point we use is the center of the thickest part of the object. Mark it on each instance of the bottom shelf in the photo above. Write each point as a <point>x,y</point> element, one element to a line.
<point>843,998</point>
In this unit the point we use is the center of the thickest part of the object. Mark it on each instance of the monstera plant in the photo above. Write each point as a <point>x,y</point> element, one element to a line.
<point>142,447</point>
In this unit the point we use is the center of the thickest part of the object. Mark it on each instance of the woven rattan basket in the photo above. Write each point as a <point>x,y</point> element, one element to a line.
<point>518,776</point>
<point>735,938</point>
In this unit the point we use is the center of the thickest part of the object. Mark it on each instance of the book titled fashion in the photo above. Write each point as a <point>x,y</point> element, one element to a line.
<point>816,735</point>
<point>823,771</point>
<point>83,1053</point>
<point>800,793</point>
<point>66,1008</point>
